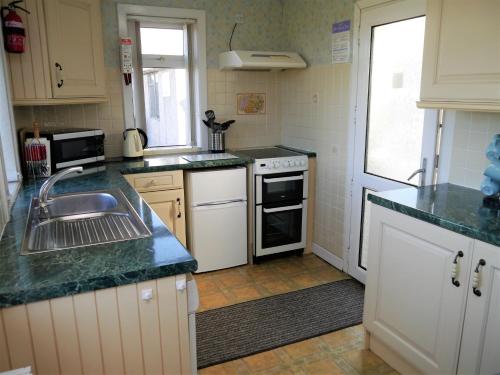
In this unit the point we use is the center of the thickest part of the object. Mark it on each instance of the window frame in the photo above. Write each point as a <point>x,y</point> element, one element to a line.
<point>198,65</point>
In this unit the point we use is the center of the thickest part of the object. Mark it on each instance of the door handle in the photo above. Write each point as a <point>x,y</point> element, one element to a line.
<point>420,171</point>
<point>59,75</point>
<point>283,179</point>
<point>280,209</point>
<point>476,277</point>
<point>455,269</point>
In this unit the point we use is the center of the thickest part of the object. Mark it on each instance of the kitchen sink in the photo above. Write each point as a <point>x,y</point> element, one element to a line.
<point>81,219</point>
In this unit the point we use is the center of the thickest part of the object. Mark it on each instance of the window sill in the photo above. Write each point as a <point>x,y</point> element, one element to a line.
<point>170,150</point>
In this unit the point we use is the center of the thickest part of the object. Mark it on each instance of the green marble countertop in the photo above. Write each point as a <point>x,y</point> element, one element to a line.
<point>159,163</point>
<point>311,154</point>
<point>452,207</point>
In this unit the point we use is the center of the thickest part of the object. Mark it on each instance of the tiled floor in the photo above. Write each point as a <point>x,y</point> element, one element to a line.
<point>338,352</point>
<point>240,284</point>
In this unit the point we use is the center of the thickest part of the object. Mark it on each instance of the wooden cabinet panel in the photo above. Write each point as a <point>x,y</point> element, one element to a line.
<point>411,304</point>
<point>75,47</point>
<point>169,206</point>
<point>144,182</point>
<point>29,71</point>
<point>480,344</point>
<point>98,332</point>
<point>461,64</point>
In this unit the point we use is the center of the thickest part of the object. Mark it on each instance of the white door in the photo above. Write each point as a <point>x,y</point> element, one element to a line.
<point>393,139</point>
<point>412,303</point>
<point>480,353</point>
<point>218,235</point>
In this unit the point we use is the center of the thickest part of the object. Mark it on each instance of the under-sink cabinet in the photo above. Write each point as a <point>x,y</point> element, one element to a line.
<point>109,331</point>
<point>63,62</point>
<point>461,60</point>
<point>164,193</point>
<point>432,297</point>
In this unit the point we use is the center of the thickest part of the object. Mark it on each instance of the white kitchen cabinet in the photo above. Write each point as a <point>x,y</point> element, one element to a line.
<point>418,319</point>
<point>461,61</point>
<point>411,304</point>
<point>75,47</point>
<point>479,352</point>
<point>66,32</point>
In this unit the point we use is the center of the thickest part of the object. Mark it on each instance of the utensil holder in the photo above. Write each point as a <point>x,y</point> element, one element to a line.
<point>217,142</point>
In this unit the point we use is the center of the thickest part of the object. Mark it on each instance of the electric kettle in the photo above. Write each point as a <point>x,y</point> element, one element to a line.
<point>133,145</point>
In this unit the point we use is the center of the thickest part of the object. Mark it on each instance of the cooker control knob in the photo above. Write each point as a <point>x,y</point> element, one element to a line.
<point>302,162</point>
<point>297,163</point>
<point>276,164</point>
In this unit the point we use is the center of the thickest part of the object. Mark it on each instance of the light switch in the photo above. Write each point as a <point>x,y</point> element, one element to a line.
<point>147,294</point>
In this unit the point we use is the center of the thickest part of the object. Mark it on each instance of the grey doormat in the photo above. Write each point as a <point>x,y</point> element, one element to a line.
<point>251,327</point>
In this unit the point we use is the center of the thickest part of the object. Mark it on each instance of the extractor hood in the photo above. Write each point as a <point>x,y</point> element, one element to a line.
<point>260,60</point>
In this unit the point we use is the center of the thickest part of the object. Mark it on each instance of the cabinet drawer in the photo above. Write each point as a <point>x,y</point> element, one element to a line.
<point>156,181</point>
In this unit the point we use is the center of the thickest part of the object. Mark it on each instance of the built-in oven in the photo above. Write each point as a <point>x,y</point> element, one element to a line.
<point>280,212</point>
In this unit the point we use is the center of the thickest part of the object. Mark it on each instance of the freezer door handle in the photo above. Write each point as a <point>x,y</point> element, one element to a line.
<point>280,209</point>
<point>219,203</point>
<point>283,179</point>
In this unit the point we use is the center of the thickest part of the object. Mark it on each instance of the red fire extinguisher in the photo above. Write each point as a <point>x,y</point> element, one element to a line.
<point>13,28</point>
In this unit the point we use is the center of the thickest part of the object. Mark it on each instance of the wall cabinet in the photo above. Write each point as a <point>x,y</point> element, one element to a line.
<point>461,62</point>
<point>164,193</point>
<point>64,61</point>
<point>429,297</point>
<point>110,331</point>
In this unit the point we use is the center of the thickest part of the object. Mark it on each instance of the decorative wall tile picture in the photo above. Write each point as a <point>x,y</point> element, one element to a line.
<point>251,104</point>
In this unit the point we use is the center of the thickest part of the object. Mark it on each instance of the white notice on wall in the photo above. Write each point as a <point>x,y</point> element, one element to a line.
<point>341,42</point>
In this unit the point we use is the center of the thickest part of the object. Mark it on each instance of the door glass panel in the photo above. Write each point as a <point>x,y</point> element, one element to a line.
<point>363,235</point>
<point>281,228</point>
<point>155,41</point>
<point>276,188</point>
<point>395,125</point>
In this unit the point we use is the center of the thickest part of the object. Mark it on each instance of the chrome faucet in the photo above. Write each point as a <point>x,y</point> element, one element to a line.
<point>43,195</point>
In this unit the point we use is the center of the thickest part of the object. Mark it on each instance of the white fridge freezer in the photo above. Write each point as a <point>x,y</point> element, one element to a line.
<point>217,217</point>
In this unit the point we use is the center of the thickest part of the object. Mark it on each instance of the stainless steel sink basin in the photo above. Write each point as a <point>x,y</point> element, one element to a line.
<point>81,219</point>
<point>76,204</point>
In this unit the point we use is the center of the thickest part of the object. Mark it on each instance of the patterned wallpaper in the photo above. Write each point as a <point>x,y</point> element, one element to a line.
<point>262,28</point>
<point>308,25</point>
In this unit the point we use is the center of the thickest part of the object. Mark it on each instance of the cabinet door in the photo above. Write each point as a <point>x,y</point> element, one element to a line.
<point>411,304</point>
<point>461,53</point>
<point>75,47</point>
<point>169,206</point>
<point>480,352</point>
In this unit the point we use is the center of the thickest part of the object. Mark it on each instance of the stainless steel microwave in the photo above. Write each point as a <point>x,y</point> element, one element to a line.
<point>70,147</point>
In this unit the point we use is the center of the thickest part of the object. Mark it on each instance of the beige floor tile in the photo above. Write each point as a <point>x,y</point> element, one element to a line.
<point>303,348</point>
<point>324,366</point>
<point>246,293</point>
<point>363,360</point>
<point>230,280</point>
<point>207,286</point>
<point>262,361</point>
<point>213,301</point>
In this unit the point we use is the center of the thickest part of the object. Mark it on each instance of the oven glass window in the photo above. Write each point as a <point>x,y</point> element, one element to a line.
<point>77,148</point>
<point>282,187</point>
<point>281,228</point>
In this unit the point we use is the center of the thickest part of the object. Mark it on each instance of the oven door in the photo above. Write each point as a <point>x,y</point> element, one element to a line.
<point>280,228</point>
<point>71,151</point>
<point>281,187</point>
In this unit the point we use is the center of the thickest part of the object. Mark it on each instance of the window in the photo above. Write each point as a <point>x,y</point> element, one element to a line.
<point>163,107</point>
<point>168,94</point>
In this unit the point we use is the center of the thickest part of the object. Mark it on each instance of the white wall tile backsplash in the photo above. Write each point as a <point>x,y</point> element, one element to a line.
<point>248,131</point>
<point>473,132</point>
<point>314,115</point>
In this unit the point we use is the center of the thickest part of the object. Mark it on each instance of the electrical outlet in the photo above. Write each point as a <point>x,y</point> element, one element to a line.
<point>239,18</point>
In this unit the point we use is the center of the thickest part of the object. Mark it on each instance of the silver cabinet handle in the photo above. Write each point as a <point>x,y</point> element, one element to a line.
<point>280,209</point>
<point>282,179</point>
